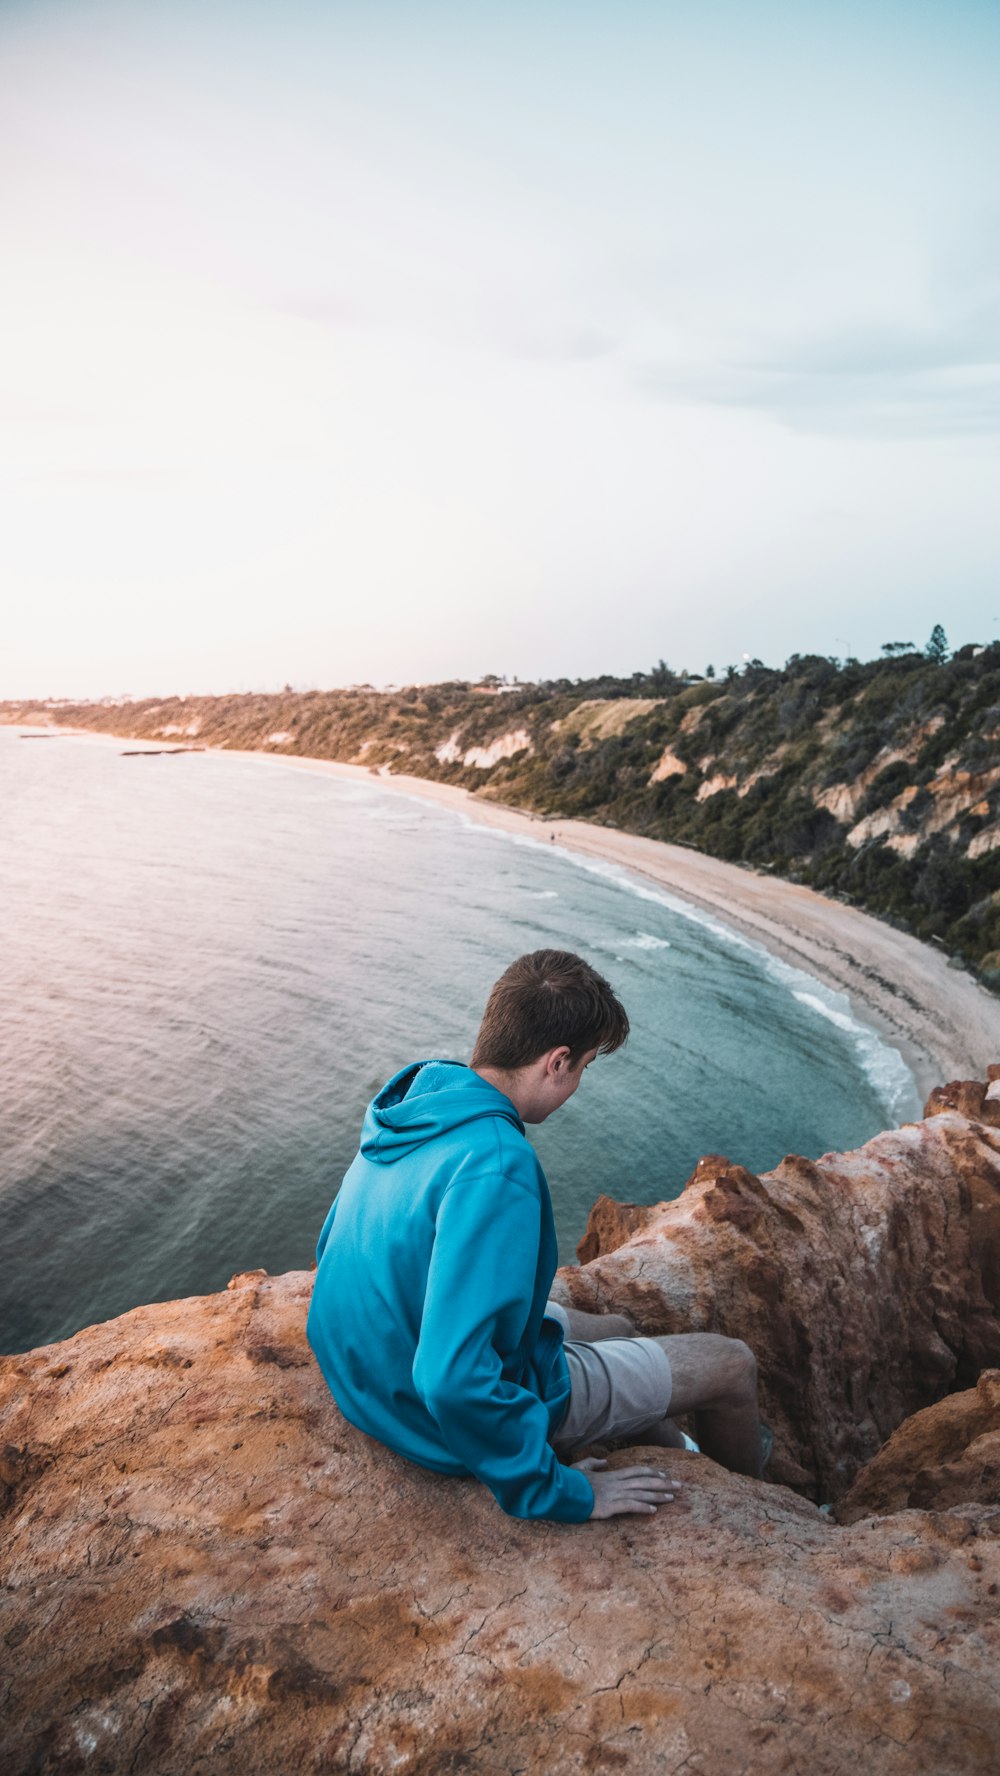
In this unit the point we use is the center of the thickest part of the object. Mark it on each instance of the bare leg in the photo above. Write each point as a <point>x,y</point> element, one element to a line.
<point>716,1379</point>
<point>665,1435</point>
<point>585,1328</point>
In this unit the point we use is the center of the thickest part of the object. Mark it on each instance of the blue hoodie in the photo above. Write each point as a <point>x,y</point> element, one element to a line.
<point>435,1263</point>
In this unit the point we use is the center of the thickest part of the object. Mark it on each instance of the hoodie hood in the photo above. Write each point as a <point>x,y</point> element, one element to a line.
<point>425,1100</point>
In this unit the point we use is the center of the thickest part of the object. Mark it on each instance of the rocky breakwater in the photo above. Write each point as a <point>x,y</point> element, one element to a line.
<point>206,1569</point>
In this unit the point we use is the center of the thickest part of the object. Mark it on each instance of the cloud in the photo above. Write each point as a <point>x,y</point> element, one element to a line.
<point>872,381</point>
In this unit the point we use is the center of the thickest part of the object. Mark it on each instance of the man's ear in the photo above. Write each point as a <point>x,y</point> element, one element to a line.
<point>558,1061</point>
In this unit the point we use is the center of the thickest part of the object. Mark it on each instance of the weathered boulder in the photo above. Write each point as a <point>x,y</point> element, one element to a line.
<point>867,1283</point>
<point>973,1098</point>
<point>948,1454</point>
<point>207,1571</point>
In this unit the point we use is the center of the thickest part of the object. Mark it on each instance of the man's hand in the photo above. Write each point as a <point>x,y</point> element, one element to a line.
<point>621,1492</point>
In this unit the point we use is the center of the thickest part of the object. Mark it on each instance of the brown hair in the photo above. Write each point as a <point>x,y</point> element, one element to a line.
<point>548,999</point>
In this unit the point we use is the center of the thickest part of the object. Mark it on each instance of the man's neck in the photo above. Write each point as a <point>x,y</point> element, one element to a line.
<point>502,1082</point>
<point>524,1086</point>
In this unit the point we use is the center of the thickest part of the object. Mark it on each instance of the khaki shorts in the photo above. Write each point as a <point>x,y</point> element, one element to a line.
<point>618,1387</point>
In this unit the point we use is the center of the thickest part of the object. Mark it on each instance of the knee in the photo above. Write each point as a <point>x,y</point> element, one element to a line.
<point>738,1377</point>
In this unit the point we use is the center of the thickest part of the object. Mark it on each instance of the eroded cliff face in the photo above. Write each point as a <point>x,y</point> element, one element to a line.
<point>949,1454</point>
<point>206,1568</point>
<point>867,1283</point>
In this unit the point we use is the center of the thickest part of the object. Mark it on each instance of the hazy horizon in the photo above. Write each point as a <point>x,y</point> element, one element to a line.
<point>388,685</point>
<point>350,343</point>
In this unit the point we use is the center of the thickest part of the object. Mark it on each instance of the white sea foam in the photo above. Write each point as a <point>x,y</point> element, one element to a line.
<point>644,940</point>
<point>883,1066</point>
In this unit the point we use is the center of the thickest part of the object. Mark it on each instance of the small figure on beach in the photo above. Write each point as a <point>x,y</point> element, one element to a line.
<point>430,1315</point>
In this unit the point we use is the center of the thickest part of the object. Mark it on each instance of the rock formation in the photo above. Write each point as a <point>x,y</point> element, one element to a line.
<point>206,1569</point>
<point>948,1454</point>
<point>867,1283</point>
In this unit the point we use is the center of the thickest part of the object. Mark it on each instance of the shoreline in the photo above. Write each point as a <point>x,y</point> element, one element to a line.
<point>945,1025</point>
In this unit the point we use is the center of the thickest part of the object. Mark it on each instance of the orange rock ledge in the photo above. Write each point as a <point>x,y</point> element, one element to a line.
<point>205,1569</point>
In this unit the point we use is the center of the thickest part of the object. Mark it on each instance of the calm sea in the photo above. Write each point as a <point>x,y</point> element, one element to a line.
<point>210,964</point>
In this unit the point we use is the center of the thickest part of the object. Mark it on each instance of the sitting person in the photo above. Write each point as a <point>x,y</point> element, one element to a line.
<point>430,1316</point>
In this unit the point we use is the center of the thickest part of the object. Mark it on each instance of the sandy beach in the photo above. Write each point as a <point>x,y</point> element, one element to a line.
<point>943,1022</point>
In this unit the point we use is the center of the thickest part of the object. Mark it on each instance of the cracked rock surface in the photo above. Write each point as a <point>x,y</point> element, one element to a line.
<point>205,1569</point>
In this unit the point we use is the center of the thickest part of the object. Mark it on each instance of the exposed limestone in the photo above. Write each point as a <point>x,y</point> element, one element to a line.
<point>956,793</point>
<point>189,729</point>
<point>843,800</point>
<point>984,841</point>
<point>449,751</point>
<point>885,820</point>
<point>484,757</point>
<point>906,843</point>
<point>769,768</point>
<point>946,1455</point>
<point>208,1570</point>
<point>668,765</point>
<point>867,1283</point>
<point>712,785</point>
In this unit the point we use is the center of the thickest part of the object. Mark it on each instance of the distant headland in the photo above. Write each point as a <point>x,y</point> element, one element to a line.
<point>877,783</point>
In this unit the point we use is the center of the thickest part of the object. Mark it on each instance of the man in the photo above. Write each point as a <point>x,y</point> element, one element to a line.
<point>430,1316</point>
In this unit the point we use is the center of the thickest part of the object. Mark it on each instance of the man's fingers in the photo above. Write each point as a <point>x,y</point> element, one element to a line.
<point>643,1473</point>
<point>638,1491</point>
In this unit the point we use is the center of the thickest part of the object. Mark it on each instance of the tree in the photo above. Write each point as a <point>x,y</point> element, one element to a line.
<point>892,648</point>
<point>937,648</point>
<point>709,671</point>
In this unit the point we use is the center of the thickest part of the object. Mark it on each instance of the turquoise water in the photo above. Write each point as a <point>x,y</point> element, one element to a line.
<point>209,965</point>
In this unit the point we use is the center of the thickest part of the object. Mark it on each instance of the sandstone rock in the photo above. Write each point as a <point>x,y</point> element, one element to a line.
<point>948,1454</point>
<point>867,1283</point>
<point>206,1570</point>
<point>970,1097</point>
<point>609,1225</point>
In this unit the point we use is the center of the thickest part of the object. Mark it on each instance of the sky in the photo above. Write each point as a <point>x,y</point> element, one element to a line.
<point>403,340</point>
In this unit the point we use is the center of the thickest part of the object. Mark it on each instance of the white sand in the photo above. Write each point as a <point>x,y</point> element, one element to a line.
<point>943,1022</point>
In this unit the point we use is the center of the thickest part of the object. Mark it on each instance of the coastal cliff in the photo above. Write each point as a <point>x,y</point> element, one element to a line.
<point>206,1567</point>
<point>868,1283</point>
<point>877,782</point>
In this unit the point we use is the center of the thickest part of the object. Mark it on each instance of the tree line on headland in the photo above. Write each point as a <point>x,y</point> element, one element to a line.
<point>877,782</point>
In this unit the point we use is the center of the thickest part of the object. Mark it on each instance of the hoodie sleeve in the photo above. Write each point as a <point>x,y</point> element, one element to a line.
<point>479,1288</point>
<point>326,1230</point>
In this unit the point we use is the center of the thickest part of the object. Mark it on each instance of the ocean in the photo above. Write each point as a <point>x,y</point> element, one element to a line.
<point>210,964</point>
